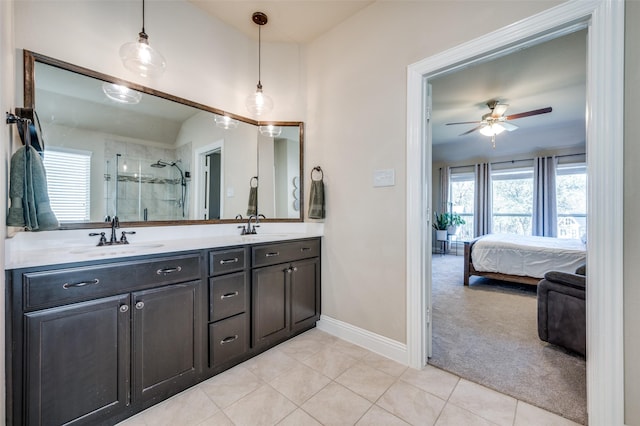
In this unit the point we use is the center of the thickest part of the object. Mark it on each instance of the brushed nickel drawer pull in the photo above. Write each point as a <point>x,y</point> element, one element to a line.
<point>228,339</point>
<point>225,261</point>
<point>228,295</point>
<point>166,271</point>
<point>305,248</point>
<point>272,254</point>
<point>80,284</point>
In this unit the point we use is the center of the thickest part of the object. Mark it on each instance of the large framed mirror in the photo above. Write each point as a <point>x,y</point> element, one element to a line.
<point>116,148</point>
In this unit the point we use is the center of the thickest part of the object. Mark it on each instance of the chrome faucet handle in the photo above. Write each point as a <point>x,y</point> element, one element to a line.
<point>244,230</point>
<point>103,239</point>
<point>123,237</point>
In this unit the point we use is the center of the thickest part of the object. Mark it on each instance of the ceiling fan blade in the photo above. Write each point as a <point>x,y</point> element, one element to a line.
<point>471,131</point>
<point>508,126</point>
<point>464,122</point>
<point>499,110</point>
<point>529,113</point>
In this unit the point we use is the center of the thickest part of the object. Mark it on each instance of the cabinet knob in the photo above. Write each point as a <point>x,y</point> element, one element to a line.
<point>139,305</point>
<point>295,268</point>
<point>124,308</point>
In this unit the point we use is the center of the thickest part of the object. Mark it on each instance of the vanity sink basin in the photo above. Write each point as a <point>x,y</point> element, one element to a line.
<point>264,237</point>
<point>114,250</point>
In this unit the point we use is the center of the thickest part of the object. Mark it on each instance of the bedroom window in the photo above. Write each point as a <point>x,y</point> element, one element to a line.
<point>461,193</point>
<point>68,182</point>
<point>512,200</point>
<point>571,199</point>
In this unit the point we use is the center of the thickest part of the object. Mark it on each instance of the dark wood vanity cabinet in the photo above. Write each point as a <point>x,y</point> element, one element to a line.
<point>78,359</point>
<point>285,290</point>
<point>94,343</point>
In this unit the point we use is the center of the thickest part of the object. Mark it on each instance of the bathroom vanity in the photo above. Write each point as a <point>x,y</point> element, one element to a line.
<point>96,341</point>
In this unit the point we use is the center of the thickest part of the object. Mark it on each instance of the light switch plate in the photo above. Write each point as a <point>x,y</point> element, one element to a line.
<point>230,192</point>
<point>384,177</point>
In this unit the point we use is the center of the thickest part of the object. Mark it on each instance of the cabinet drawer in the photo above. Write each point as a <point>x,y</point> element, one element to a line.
<point>228,339</point>
<point>51,288</point>
<point>272,254</point>
<point>227,295</point>
<point>223,262</point>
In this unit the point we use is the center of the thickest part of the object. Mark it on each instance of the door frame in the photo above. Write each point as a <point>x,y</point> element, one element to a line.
<point>199,168</point>
<point>604,132</point>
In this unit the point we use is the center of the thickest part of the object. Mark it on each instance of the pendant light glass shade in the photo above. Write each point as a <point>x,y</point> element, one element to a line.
<point>270,130</point>
<point>122,94</point>
<point>258,103</point>
<point>140,58</point>
<point>225,122</point>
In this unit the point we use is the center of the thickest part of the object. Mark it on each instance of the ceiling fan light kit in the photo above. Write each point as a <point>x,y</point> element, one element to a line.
<point>495,122</point>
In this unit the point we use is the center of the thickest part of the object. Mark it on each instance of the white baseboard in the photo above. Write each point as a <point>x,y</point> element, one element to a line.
<point>374,342</point>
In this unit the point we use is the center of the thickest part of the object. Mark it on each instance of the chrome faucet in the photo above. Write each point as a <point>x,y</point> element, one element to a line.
<point>115,224</point>
<point>251,230</point>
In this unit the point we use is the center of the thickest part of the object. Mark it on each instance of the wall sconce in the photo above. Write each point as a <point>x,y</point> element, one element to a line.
<point>140,57</point>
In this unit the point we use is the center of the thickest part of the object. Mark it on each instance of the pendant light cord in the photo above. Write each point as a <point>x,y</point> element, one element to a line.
<point>259,53</point>
<point>143,17</point>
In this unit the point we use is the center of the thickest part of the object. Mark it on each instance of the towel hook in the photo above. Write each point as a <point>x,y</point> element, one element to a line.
<point>251,182</point>
<point>319,170</point>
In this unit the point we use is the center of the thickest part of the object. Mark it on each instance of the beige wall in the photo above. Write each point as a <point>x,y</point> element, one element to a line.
<point>631,214</point>
<point>356,123</point>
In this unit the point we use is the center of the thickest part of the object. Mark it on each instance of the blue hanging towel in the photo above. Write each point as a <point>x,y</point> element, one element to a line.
<point>30,206</point>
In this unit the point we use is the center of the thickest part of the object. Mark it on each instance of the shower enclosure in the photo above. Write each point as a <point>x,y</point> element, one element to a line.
<point>142,189</point>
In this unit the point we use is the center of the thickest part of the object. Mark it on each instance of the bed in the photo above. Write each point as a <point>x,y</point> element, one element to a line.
<point>520,259</point>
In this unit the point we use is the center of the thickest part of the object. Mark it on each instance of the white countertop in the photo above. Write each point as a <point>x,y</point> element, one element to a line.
<point>27,249</point>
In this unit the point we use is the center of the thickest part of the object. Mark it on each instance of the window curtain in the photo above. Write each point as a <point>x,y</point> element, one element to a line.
<point>545,222</point>
<point>482,203</point>
<point>445,176</point>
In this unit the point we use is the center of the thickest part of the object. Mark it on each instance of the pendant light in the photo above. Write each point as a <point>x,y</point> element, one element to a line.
<point>258,103</point>
<point>225,122</point>
<point>270,130</point>
<point>140,57</point>
<point>122,94</point>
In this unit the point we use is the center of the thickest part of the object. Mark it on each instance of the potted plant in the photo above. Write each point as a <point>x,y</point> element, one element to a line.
<point>440,224</point>
<point>454,220</point>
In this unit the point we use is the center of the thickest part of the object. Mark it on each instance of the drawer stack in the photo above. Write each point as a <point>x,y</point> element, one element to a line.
<point>228,305</point>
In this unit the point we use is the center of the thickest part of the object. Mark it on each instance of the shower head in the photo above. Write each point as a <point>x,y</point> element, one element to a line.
<point>160,164</point>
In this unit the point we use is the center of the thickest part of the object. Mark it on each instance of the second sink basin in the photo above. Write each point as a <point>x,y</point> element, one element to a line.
<point>114,250</point>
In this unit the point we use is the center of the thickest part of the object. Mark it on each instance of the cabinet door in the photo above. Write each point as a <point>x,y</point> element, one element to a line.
<point>270,304</point>
<point>305,294</point>
<point>166,340</point>
<point>77,361</point>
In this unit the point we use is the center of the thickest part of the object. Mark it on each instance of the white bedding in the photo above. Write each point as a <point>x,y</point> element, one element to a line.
<point>526,256</point>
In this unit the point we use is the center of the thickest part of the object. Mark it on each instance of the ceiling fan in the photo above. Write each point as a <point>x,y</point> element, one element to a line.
<point>495,122</point>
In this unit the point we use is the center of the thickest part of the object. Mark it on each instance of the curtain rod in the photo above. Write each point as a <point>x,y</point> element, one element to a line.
<point>517,161</point>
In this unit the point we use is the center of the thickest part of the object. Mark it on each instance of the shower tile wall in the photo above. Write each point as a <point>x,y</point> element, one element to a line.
<point>140,186</point>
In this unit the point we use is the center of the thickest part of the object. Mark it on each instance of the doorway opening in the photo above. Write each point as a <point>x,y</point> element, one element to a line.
<point>209,171</point>
<point>605,94</point>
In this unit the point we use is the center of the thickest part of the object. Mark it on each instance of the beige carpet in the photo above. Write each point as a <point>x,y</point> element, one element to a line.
<point>487,333</point>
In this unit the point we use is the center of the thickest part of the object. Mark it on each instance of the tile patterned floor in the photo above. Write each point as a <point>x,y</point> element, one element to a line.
<point>318,379</point>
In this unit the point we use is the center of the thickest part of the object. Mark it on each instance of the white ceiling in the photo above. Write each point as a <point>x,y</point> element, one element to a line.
<point>289,21</point>
<point>549,74</point>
